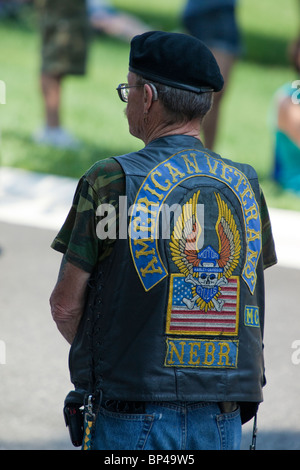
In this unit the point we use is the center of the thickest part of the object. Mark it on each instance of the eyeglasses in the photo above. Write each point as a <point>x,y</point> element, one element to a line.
<point>123,91</point>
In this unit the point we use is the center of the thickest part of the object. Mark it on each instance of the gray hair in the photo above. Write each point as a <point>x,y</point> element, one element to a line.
<point>181,105</point>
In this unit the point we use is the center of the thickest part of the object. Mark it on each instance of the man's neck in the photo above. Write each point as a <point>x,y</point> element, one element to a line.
<point>191,129</point>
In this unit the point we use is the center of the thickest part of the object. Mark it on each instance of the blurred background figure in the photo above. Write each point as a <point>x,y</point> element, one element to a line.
<point>287,128</point>
<point>214,22</point>
<point>64,37</point>
<point>105,18</point>
<point>65,27</point>
<point>10,8</point>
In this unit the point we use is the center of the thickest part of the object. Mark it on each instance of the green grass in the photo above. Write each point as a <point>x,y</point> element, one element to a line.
<point>94,113</point>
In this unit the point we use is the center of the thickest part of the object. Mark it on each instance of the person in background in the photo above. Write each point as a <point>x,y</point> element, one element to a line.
<point>286,126</point>
<point>105,18</point>
<point>64,36</point>
<point>215,23</point>
<point>65,30</point>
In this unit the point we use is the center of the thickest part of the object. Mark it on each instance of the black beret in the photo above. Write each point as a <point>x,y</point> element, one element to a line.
<point>175,59</point>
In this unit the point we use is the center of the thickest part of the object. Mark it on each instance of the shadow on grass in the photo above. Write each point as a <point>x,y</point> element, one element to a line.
<point>21,18</point>
<point>19,150</point>
<point>265,50</point>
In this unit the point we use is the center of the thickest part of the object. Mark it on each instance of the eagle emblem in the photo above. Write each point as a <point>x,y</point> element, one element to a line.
<point>206,270</point>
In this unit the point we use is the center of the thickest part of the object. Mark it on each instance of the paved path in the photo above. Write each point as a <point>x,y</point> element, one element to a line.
<point>34,378</point>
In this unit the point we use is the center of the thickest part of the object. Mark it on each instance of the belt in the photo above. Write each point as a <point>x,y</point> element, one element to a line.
<point>132,407</point>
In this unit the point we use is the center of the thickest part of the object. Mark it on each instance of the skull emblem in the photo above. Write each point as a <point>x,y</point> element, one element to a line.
<point>208,279</point>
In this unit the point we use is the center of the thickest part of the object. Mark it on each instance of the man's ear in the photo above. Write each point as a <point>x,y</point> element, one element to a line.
<point>150,95</point>
<point>147,97</point>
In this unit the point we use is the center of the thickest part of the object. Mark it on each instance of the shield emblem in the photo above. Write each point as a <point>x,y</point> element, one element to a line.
<point>207,293</point>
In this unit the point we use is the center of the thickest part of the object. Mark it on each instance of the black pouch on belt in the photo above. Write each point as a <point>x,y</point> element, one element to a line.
<point>74,417</point>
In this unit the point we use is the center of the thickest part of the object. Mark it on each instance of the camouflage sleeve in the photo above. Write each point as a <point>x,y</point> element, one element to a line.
<point>77,239</point>
<point>268,246</point>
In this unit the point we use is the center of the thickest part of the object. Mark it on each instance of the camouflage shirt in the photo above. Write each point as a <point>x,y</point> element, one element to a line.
<point>104,183</point>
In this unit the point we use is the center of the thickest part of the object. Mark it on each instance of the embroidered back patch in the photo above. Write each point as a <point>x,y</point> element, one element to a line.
<point>251,316</point>
<point>182,352</point>
<point>155,189</point>
<point>204,296</point>
<point>220,312</point>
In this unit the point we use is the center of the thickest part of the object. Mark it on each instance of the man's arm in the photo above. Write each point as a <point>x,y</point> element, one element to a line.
<point>68,299</point>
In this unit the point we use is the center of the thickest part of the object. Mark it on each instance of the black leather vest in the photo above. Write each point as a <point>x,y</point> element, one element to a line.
<point>177,311</point>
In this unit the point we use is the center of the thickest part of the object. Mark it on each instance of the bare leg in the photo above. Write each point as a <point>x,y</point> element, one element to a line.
<point>51,90</point>
<point>52,133</point>
<point>210,124</point>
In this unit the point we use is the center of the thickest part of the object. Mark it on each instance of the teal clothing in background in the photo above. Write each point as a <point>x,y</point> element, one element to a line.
<point>287,154</point>
<point>287,157</point>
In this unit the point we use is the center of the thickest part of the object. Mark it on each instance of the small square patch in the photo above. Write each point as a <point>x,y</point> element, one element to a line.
<point>251,316</point>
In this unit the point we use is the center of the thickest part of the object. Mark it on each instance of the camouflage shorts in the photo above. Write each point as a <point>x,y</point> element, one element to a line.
<point>64,37</point>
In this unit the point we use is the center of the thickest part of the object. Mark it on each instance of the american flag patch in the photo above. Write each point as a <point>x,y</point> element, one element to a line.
<point>182,319</point>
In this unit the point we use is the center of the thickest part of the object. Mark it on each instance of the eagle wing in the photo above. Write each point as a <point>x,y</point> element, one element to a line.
<point>183,244</point>
<point>229,238</point>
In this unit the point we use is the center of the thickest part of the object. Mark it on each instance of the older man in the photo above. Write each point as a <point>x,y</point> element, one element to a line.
<point>161,290</point>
